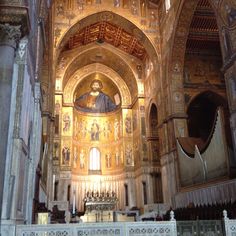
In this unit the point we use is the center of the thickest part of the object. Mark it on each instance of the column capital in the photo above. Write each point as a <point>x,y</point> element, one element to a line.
<point>9,34</point>
<point>15,14</point>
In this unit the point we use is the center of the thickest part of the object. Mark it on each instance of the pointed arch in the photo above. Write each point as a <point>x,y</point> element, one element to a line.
<point>201,113</point>
<point>180,35</point>
<point>153,120</point>
<point>112,60</point>
<point>113,18</point>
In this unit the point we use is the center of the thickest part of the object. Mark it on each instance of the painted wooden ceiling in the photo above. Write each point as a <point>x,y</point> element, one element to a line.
<point>103,31</point>
<point>203,34</point>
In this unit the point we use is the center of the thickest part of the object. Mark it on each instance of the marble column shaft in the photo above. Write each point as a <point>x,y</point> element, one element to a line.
<point>9,36</point>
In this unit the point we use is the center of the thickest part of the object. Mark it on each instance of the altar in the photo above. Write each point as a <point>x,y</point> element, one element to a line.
<point>99,207</point>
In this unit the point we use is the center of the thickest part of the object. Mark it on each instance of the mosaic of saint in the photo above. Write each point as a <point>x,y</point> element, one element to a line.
<point>95,101</point>
<point>102,129</point>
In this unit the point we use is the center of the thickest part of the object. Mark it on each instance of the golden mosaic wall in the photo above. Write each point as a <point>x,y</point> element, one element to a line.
<point>202,73</point>
<point>111,133</point>
<point>100,131</point>
<point>202,69</point>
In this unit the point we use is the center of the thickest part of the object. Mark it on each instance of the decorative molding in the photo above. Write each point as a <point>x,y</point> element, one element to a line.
<point>109,228</point>
<point>21,55</point>
<point>229,63</point>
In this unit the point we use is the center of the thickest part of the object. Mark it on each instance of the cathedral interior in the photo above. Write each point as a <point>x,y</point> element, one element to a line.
<point>133,101</point>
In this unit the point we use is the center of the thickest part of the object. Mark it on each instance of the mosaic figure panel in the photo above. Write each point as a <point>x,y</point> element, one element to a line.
<point>95,101</point>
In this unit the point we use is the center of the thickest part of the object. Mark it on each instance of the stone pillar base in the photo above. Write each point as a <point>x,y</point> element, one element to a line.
<point>7,228</point>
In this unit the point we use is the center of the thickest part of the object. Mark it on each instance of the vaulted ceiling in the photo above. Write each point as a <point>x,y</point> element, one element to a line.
<point>105,55</point>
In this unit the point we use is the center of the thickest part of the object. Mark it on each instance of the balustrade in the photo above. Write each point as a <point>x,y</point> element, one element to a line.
<point>158,228</point>
<point>165,228</point>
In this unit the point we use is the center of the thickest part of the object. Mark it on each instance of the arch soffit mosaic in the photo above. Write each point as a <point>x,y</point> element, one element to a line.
<point>178,49</point>
<point>112,17</point>
<point>109,59</point>
<point>180,35</point>
<point>80,74</point>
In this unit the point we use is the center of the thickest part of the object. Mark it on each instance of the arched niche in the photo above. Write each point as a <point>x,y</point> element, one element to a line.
<point>153,139</point>
<point>73,82</point>
<point>93,127</point>
<point>153,121</point>
<point>105,55</point>
<point>154,147</point>
<point>201,113</point>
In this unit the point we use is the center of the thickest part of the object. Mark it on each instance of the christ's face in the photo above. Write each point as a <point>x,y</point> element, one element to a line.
<point>95,86</point>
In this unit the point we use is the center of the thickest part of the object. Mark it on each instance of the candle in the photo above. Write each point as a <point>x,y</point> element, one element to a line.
<point>73,208</point>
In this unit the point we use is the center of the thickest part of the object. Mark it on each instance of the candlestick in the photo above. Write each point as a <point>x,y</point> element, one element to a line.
<point>73,207</point>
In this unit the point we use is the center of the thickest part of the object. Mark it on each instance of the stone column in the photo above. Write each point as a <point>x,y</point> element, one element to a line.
<point>35,144</point>
<point>149,189</point>
<point>132,192</point>
<point>9,36</point>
